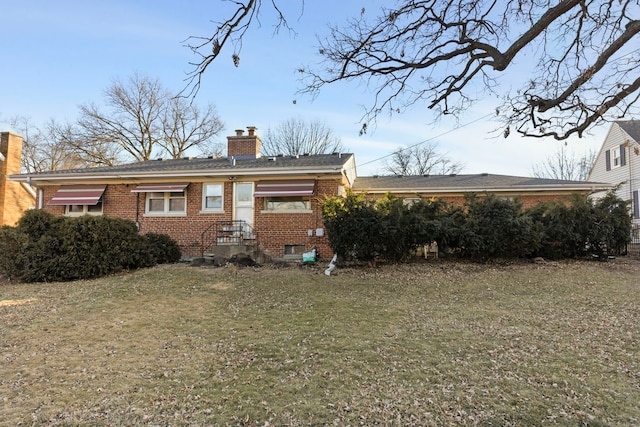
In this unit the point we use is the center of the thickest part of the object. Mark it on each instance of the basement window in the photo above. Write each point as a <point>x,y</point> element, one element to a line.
<point>293,252</point>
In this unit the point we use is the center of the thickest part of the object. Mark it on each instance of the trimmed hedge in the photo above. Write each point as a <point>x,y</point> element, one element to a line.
<point>485,227</point>
<point>52,248</point>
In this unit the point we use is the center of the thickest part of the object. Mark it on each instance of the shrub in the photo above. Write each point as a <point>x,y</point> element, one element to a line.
<point>49,248</point>
<point>95,246</point>
<point>583,227</point>
<point>497,228</point>
<point>162,248</point>
<point>13,242</point>
<point>611,225</point>
<point>354,226</point>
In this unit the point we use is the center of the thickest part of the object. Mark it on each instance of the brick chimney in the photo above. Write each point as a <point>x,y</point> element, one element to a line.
<point>14,198</point>
<point>241,146</point>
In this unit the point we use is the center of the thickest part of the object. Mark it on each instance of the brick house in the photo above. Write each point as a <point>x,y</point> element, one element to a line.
<point>272,203</point>
<point>243,199</point>
<point>15,197</point>
<point>452,188</point>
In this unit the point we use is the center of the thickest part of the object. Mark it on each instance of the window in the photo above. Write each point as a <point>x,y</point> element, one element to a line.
<point>169,203</point>
<point>615,154</point>
<point>212,199</point>
<point>292,203</point>
<point>615,157</point>
<point>79,210</point>
<point>293,252</point>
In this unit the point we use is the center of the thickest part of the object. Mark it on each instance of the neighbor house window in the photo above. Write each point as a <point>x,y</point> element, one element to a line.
<point>616,157</point>
<point>79,210</point>
<point>169,203</point>
<point>212,197</point>
<point>292,203</point>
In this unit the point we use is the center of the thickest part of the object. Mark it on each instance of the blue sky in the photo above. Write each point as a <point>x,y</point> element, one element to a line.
<point>57,55</point>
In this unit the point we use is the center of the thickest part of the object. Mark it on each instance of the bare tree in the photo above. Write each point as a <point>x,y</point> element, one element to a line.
<point>585,53</point>
<point>142,120</point>
<point>186,126</point>
<point>297,136</point>
<point>42,150</point>
<point>421,159</point>
<point>566,165</point>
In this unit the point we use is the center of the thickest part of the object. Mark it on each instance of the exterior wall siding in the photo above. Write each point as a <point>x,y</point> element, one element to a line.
<point>626,177</point>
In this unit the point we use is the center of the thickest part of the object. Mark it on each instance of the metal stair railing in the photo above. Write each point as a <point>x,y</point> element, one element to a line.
<point>227,232</point>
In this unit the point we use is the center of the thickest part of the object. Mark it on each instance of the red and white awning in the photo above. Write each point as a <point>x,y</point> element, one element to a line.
<point>77,195</point>
<point>285,188</point>
<point>159,188</point>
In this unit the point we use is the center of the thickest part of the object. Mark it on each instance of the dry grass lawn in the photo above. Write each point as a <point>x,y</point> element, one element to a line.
<point>435,343</point>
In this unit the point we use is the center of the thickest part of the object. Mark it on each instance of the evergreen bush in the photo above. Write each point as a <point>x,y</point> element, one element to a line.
<point>163,248</point>
<point>497,228</point>
<point>485,227</point>
<point>50,248</point>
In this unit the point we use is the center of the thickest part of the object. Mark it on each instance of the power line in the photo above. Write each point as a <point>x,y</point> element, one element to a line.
<point>427,140</point>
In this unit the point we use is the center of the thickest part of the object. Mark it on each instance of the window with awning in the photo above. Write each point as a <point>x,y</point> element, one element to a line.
<point>159,188</point>
<point>285,188</point>
<point>77,195</point>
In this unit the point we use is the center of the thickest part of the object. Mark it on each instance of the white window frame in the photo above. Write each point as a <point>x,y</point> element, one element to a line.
<point>205,195</point>
<point>93,210</point>
<point>305,199</point>
<point>616,157</point>
<point>167,197</point>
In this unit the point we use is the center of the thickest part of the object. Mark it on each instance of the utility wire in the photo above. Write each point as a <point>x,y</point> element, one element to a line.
<point>427,140</point>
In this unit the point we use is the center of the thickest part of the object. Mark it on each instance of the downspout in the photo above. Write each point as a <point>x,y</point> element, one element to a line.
<point>138,211</point>
<point>630,173</point>
<point>38,194</point>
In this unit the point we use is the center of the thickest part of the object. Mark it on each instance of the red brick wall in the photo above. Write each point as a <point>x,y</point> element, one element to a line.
<point>243,146</point>
<point>274,230</point>
<point>279,229</point>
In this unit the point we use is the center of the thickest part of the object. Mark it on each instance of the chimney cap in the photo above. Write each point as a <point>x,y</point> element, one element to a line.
<point>239,132</point>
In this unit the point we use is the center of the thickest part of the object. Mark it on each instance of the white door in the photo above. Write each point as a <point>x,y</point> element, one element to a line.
<point>243,205</point>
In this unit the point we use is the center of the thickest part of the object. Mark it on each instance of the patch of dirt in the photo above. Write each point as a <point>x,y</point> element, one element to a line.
<point>10,302</point>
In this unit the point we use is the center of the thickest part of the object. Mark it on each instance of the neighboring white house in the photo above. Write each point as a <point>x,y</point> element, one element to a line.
<point>618,162</point>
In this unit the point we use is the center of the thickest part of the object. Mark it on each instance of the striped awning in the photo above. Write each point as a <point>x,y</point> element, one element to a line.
<point>159,188</point>
<point>77,195</point>
<point>285,188</point>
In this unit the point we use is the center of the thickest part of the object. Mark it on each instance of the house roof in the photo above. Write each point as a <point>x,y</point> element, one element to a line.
<point>469,183</point>
<point>197,167</point>
<point>631,127</point>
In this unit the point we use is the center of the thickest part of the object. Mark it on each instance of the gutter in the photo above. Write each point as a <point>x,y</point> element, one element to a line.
<point>162,175</point>
<point>444,190</point>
